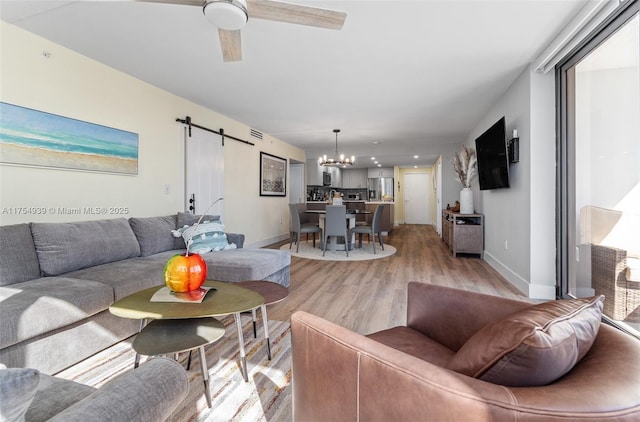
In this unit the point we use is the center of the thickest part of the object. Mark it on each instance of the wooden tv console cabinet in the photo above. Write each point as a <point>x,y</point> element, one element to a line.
<point>463,233</point>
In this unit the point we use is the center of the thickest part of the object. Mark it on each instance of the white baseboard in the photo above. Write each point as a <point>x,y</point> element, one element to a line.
<point>539,291</point>
<point>532,291</point>
<point>267,242</point>
<point>513,278</point>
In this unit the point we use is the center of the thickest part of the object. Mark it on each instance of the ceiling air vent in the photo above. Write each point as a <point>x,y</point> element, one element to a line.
<point>256,134</point>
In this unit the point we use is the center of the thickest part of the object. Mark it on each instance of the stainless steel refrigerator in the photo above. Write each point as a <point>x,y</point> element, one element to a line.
<point>379,187</point>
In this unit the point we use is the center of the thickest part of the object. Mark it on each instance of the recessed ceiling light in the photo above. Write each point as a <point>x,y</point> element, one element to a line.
<point>375,162</point>
<point>373,158</point>
<point>376,142</point>
<point>379,165</point>
<point>415,167</point>
<point>415,156</point>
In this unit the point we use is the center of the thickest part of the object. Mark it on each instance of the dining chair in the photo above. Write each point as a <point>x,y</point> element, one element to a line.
<point>372,229</point>
<point>296,227</point>
<point>335,225</point>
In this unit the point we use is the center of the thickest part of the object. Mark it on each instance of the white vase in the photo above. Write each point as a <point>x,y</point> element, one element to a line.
<point>466,201</point>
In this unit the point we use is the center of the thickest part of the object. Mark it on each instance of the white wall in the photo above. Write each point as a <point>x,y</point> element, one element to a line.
<point>451,185</point>
<point>523,215</point>
<point>75,86</point>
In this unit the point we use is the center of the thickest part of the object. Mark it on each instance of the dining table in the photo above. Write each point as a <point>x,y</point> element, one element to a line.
<point>350,221</point>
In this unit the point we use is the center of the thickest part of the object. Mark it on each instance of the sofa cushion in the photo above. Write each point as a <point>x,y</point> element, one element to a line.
<point>534,346</point>
<point>34,307</point>
<point>154,233</point>
<point>245,264</point>
<point>18,260</point>
<point>237,264</point>
<point>64,247</point>
<point>414,343</point>
<point>127,276</point>
<point>17,388</point>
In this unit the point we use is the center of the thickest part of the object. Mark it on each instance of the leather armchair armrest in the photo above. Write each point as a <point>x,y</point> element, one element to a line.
<point>451,316</point>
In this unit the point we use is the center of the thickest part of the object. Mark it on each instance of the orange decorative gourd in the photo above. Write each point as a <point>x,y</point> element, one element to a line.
<point>185,272</point>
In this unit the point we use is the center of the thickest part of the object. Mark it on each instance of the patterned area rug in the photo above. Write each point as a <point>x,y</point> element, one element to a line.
<point>266,397</point>
<point>307,251</point>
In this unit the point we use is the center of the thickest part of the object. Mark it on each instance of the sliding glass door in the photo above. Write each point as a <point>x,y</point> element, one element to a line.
<point>599,170</point>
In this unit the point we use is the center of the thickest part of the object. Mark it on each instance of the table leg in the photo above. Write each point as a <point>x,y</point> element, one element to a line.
<point>205,375</point>
<point>265,322</point>
<point>136,362</point>
<point>243,358</point>
<point>253,315</point>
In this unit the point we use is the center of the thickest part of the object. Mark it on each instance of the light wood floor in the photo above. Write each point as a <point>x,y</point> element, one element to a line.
<point>367,296</point>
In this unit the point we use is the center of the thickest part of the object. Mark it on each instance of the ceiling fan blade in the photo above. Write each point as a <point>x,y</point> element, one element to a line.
<point>199,3</point>
<point>294,13</point>
<point>231,45</point>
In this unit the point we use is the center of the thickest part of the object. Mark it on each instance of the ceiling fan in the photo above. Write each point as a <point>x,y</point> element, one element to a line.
<point>231,15</point>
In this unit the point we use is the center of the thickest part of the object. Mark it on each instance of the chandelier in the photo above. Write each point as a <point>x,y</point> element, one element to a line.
<point>339,160</point>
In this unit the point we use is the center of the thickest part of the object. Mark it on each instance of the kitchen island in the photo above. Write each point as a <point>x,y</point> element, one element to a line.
<point>387,215</point>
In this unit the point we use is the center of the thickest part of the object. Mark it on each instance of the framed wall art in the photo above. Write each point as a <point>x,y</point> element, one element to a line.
<point>273,175</point>
<point>35,138</point>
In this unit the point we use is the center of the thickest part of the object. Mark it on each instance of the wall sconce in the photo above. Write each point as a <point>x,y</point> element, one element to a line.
<point>513,145</point>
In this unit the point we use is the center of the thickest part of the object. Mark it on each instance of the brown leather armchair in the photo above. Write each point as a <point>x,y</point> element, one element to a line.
<point>339,375</point>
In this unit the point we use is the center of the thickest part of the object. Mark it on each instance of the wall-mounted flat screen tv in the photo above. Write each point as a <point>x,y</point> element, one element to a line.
<point>493,159</point>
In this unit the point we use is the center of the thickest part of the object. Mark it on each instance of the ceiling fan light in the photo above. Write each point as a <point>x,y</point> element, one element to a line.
<point>229,15</point>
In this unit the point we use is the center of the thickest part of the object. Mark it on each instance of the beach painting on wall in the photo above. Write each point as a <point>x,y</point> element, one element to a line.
<point>35,138</point>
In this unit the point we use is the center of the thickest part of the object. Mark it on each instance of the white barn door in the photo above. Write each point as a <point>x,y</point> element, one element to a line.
<point>204,171</point>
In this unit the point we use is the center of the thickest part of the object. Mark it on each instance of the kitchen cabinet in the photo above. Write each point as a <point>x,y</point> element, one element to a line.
<point>380,172</point>
<point>336,176</point>
<point>463,233</point>
<point>386,221</point>
<point>354,178</point>
<point>314,173</point>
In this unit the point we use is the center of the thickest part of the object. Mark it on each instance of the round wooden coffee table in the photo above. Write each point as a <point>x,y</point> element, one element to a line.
<point>272,293</point>
<point>227,299</point>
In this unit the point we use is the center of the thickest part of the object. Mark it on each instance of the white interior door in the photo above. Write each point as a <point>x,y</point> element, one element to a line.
<point>204,171</point>
<point>417,188</point>
<point>297,192</point>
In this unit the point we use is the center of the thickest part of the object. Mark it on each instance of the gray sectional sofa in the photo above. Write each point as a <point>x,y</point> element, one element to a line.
<point>57,281</point>
<point>149,393</point>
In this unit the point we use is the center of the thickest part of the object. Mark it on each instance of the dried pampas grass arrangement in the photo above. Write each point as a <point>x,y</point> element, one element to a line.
<point>464,164</point>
